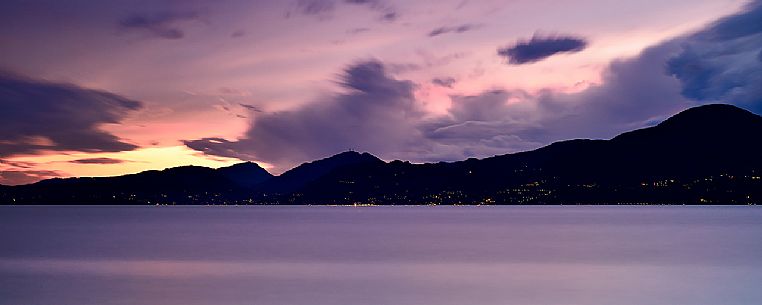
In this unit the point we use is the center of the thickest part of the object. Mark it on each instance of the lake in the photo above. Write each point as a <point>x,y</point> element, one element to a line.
<point>274,255</point>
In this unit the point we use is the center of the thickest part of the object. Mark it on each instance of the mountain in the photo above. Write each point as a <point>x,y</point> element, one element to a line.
<point>184,184</point>
<point>704,155</point>
<point>306,173</point>
<point>707,154</point>
<point>246,174</point>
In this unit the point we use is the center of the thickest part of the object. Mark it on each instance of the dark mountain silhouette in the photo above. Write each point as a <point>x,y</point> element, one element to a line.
<point>306,173</point>
<point>708,154</point>
<point>704,155</point>
<point>247,174</point>
<point>179,184</point>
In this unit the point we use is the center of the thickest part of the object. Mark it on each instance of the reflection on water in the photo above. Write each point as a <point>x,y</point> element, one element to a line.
<point>380,255</point>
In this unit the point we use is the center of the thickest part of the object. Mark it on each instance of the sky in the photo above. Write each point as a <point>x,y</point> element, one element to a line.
<point>101,88</point>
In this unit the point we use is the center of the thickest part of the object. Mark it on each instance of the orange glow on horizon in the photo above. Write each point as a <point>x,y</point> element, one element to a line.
<point>132,161</point>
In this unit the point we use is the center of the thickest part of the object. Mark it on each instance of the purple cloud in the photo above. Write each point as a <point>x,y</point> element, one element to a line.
<point>716,64</point>
<point>19,177</point>
<point>161,25</point>
<point>723,62</point>
<point>355,31</point>
<point>323,8</point>
<point>97,161</point>
<point>452,29</point>
<point>446,82</point>
<point>539,48</point>
<point>238,33</point>
<point>316,7</point>
<point>377,113</point>
<point>40,115</point>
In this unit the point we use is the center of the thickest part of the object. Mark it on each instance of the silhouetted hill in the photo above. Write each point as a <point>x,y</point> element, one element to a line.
<point>708,154</point>
<point>704,155</point>
<point>179,184</point>
<point>247,174</point>
<point>301,175</point>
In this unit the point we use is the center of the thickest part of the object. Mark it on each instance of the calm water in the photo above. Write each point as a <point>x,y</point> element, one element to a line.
<point>380,255</point>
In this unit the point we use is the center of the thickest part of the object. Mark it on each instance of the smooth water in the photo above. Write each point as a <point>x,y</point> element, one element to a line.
<point>380,255</point>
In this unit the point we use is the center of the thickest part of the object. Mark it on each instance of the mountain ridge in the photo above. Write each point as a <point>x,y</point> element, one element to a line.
<point>665,163</point>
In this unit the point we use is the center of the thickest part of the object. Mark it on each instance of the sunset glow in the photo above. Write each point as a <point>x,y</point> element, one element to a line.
<point>271,80</point>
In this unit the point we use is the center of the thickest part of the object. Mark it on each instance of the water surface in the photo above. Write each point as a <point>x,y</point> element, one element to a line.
<point>380,255</point>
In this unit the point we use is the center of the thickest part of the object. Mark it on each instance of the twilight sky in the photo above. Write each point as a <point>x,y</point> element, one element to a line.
<point>98,88</point>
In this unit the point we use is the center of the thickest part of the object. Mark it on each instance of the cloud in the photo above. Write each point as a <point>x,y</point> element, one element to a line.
<point>446,82</point>
<point>388,13</point>
<point>379,114</point>
<point>214,146</point>
<point>723,61</point>
<point>427,61</point>
<point>315,7</point>
<point>164,25</point>
<point>238,33</point>
<point>452,29</point>
<point>482,125</point>
<point>376,113</point>
<point>634,93</point>
<point>323,8</point>
<point>251,107</point>
<point>97,161</point>
<point>356,31</point>
<point>15,177</point>
<point>38,116</point>
<point>716,64</point>
<point>17,164</point>
<point>539,48</point>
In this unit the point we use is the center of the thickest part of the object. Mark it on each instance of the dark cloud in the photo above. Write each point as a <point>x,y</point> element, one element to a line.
<point>97,161</point>
<point>377,113</point>
<point>446,82</point>
<point>452,29</point>
<point>164,25</point>
<point>633,92</point>
<point>238,33</point>
<point>390,16</point>
<point>18,164</point>
<point>357,31</point>
<point>251,107</point>
<point>388,12</point>
<point>39,115</point>
<point>539,48</point>
<point>316,7</point>
<point>743,24</point>
<point>722,62</point>
<point>214,146</point>
<point>323,8</point>
<point>19,177</point>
